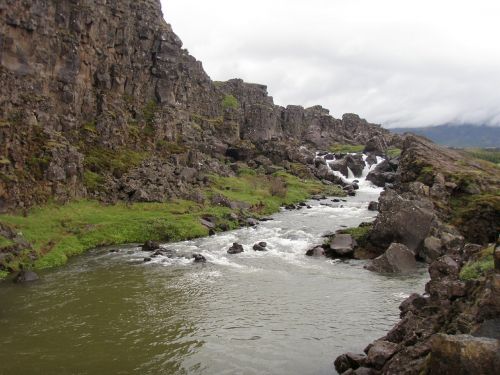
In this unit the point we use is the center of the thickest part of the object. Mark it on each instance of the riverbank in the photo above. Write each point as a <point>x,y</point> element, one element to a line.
<point>47,236</point>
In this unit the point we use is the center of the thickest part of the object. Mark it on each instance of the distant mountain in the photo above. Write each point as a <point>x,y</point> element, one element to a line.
<point>459,135</point>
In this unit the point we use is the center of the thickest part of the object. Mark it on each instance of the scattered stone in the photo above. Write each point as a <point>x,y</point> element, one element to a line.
<point>198,258</point>
<point>317,251</point>
<point>211,232</point>
<point>373,206</point>
<point>252,222</point>
<point>397,259</point>
<point>235,249</point>
<point>147,259</point>
<point>261,246</point>
<point>26,277</point>
<point>150,246</point>
<point>209,222</point>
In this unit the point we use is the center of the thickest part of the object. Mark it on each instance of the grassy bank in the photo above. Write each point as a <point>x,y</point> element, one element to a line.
<point>57,232</point>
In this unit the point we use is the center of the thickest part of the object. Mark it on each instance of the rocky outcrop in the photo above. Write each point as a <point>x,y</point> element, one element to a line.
<point>396,259</point>
<point>463,355</point>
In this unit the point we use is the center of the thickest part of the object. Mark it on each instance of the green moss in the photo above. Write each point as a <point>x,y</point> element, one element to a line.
<point>4,161</point>
<point>3,274</point>
<point>170,147</point>
<point>93,181</point>
<point>90,127</point>
<point>393,152</point>
<point>230,101</point>
<point>346,148</point>
<point>5,242</point>
<point>100,160</point>
<point>360,234</point>
<point>478,267</point>
<point>149,112</point>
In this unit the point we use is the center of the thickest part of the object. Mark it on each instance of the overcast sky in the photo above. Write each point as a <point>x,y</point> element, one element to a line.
<point>394,62</point>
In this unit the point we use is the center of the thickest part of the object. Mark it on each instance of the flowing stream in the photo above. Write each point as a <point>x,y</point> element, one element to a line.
<point>274,312</point>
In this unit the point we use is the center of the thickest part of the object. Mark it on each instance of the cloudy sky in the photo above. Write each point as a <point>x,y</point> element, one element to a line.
<point>394,62</point>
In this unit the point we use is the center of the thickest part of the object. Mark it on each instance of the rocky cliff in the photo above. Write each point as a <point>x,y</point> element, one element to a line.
<point>99,99</point>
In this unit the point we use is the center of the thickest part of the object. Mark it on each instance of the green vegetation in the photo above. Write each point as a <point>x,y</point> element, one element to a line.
<point>93,181</point>
<point>491,155</point>
<point>170,147</point>
<point>5,242</point>
<point>230,101</point>
<point>393,152</point>
<point>479,267</point>
<point>360,234</point>
<point>346,148</point>
<point>90,127</point>
<point>58,232</point>
<point>100,160</point>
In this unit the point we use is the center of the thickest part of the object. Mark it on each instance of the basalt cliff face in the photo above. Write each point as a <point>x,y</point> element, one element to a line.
<point>99,99</point>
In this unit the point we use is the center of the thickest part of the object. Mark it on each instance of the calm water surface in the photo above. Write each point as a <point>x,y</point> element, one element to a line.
<point>275,312</point>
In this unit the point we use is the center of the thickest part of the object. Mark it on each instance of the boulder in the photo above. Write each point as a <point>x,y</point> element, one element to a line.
<point>376,145</point>
<point>26,277</point>
<point>403,220</point>
<point>261,246</point>
<point>150,246</point>
<point>235,249</point>
<point>209,222</point>
<point>380,179</point>
<point>380,352</point>
<point>252,222</point>
<point>373,206</point>
<point>342,245</point>
<point>198,258</point>
<point>348,361</point>
<point>317,251</point>
<point>397,259</point>
<point>463,355</point>
<point>431,250</point>
<point>489,328</point>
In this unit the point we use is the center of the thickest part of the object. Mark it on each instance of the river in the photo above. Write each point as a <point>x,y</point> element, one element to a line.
<point>274,312</point>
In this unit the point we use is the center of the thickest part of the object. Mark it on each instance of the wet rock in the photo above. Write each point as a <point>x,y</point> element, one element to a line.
<point>26,277</point>
<point>235,249</point>
<point>147,259</point>
<point>397,259</point>
<point>209,222</point>
<point>463,355</point>
<point>379,352</point>
<point>348,361</point>
<point>150,246</point>
<point>198,258</point>
<point>373,206</point>
<point>317,251</point>
<point>261,246</point>
<point>431,250</point>
<point>252,222</point>
<point>342,245</point>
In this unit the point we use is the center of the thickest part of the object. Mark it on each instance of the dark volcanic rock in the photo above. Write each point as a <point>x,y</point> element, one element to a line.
<point>150,246</point>
<point>26,277</point>
<point>198,258</point>
<point>349,361</point>
<point>317,251</point>
<point>342,246</point>
<point>397,259</point>
<point>379,352</point>
<point>235,249</point>
<point>261,246</point>
<point>373,206</point>
<point>464,355</point>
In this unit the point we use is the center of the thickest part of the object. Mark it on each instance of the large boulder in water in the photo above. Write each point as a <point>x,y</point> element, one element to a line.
<point>235,249</point>
<point>150,246</point>
<point>397,259</point>
<point>26,277</point>
<point>341,246</point>
<point>353,162</point>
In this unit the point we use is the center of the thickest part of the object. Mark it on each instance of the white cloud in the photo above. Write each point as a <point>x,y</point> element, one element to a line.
<point>399,63</point>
